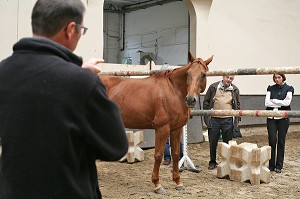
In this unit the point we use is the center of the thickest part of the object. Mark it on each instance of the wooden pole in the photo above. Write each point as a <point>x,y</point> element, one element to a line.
<point>243,71</point>
<point>250,113</point>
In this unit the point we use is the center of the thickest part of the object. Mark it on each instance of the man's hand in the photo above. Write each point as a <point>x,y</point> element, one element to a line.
<point>206,120</point>
<point>236,123</point>
<point>91,65</point>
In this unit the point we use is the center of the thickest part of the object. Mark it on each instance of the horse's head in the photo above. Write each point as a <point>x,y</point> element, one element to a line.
<point>196,79</point>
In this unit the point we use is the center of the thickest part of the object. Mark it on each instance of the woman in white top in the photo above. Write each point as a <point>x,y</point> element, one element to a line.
<point>279,97</point>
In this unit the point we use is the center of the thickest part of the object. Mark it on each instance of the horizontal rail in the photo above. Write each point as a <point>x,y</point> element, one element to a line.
<point>241,71</point>
<point>251,113</point>
<point>256,71</point>
<point>130,73</point>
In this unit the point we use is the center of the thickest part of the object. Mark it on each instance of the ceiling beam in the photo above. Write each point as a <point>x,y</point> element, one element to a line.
<point>137,6</point>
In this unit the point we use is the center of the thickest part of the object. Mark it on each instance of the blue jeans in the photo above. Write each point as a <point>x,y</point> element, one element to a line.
<point>167,155</point>
<point>219,126</point>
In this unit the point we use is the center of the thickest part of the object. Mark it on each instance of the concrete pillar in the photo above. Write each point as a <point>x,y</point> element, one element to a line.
<point>199,12</point>
<point>91,44</point>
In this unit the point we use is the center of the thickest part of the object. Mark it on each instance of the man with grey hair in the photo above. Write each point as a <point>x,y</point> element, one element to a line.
<point>222,95</point>
<point>56,119</point>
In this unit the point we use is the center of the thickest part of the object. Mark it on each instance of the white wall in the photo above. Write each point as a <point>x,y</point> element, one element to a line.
<point>250,34</point>
<point>91,44</point>
<point>241,34</point>
<point>15,20</point>
<point>15,23</point>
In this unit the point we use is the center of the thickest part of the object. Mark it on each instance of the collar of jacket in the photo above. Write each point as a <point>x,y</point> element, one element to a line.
<point>280,86</point>
<point>43,45</point>
<point>225,88</point>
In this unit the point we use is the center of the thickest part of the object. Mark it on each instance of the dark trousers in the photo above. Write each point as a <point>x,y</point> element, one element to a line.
<point>219,125</point>
<point>167,154</point>
<point>277,130</point>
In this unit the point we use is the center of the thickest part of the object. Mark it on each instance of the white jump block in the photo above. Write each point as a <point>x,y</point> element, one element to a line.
<point>244,162</point>
<point>135,153</point>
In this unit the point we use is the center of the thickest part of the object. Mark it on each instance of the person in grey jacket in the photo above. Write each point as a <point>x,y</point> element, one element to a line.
<point>222,95</point>
<point>56,119</point>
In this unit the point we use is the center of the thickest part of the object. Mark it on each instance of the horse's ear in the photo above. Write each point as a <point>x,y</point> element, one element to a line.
<point>208,60</point>
<point>191,58</point>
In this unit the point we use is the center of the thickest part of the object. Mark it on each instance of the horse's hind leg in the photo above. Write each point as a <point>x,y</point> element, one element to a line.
<point>175,150</point>
<point>161,136</point>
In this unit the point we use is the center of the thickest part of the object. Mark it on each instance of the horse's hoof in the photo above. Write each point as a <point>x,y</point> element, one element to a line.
<point>160,190</point>
<point>180,188</point>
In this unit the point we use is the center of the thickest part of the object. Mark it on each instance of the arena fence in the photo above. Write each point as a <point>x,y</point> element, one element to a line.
<point>251,113</point>
<point>185,161</point>
<point>242,71</point>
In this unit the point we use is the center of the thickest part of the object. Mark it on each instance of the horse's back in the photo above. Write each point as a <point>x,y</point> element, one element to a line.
<point>124,85</point>
<point>134,97</point>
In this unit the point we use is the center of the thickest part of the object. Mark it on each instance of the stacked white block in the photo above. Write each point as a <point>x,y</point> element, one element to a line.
<point>135,153</point>
<point>244,162</point>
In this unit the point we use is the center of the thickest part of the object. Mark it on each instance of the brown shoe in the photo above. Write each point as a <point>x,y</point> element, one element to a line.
<point>166,162</point>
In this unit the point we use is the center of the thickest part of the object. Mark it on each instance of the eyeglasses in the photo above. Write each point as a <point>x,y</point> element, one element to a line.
<point>84,29</point>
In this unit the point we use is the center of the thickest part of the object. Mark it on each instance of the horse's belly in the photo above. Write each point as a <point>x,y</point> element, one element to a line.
<point>138,126</point>
<point>136,120</point>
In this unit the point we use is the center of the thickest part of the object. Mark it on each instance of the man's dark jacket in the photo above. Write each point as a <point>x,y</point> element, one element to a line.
<point>55,121</point>
<point>209,100</point>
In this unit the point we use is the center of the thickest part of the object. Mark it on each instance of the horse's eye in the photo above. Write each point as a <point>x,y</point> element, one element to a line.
<point>203,75</point>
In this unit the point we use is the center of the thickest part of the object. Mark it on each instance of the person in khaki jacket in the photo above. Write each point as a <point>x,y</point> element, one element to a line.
<point>222,95</point>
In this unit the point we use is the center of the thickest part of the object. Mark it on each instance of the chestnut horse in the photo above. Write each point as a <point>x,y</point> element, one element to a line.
<point>161,102</point>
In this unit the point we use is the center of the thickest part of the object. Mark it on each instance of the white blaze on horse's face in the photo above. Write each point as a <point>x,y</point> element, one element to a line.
<point>196,81</point>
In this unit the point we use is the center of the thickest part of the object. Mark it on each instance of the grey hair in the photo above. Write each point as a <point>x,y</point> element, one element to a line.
<point>50,16</point>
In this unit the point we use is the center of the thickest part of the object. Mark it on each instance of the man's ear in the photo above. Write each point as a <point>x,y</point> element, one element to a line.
<point>70,30</point>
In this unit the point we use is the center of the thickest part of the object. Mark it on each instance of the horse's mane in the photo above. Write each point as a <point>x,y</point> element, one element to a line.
<point>163,74</point>
<point>167,73</point>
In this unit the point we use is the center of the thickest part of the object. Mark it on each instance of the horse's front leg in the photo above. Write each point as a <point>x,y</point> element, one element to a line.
<point>161,136</point>
<point>175,136</point>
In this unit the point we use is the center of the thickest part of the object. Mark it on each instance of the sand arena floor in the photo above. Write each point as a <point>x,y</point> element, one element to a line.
<point>123,180</point>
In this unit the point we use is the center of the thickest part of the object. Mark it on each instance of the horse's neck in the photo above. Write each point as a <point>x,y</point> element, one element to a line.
<point>179,79</point>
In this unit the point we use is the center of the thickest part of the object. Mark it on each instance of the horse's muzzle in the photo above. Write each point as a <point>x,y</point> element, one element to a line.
<point>190,101</point>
